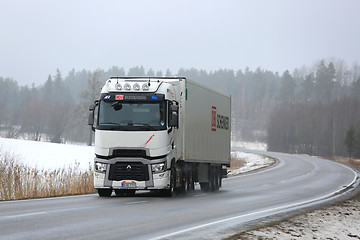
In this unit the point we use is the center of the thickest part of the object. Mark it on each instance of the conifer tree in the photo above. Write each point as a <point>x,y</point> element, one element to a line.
<point>350,141</point>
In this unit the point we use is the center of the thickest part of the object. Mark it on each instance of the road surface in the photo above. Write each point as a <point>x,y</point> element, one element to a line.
<point>296,181</point>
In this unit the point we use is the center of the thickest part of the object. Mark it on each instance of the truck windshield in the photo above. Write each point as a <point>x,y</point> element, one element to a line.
<point>129,116</point>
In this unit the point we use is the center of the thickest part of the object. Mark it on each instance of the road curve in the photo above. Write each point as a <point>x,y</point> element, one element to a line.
<point>294,182</point>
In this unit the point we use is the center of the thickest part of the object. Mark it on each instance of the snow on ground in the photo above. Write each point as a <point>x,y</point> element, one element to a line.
<point>48,156</point>
<point>335,222</point>
<point>51,156</point>
<point>250,145</point>
<point>252,162</point>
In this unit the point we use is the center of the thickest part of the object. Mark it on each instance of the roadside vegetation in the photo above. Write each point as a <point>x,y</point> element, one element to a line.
<point>18,181</point>
<point>348,161</point>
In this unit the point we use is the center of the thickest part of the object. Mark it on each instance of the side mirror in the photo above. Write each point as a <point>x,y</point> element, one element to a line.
<point>174,116</point>
<point>92,114</point>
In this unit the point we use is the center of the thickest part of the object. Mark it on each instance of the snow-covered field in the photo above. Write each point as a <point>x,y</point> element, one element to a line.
<point>48,156</point>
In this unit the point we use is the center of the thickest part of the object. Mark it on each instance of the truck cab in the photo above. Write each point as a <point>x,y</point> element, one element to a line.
<point>139,144</point>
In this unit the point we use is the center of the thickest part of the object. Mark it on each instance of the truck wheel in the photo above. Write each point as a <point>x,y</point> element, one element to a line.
<point>104,192</point>
<point>169,192</point>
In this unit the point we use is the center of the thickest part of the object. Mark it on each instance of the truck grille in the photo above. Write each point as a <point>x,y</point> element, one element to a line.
<point>129,153</point>
<point>129,171</point>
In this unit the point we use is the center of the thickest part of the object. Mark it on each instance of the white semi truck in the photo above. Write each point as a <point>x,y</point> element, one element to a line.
<point>159,133</point>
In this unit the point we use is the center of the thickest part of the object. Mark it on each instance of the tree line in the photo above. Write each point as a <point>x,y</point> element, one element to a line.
<point>315,120</point>
<point>308,110</point>
<point>352,142</point>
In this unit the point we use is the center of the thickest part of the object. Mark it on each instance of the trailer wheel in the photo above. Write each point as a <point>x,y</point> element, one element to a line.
<point>191,181</point>
<point>212,179</point>
<point>204,186</point>
<point>104,192</point>
<point>217,179</point>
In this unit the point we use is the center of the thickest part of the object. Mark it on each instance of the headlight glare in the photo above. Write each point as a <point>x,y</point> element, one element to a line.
<point>100,167</point>
<point>158,167</point>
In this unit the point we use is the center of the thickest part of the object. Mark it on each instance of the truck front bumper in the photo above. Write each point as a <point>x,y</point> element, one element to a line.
<point>134,173</point>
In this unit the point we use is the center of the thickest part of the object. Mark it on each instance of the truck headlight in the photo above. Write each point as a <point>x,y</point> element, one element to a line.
<point>100,167</point>
<point>158,167</point>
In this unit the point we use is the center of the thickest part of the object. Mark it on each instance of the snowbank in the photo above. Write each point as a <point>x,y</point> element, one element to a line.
<point>252,162</point>
<point>48,156</point>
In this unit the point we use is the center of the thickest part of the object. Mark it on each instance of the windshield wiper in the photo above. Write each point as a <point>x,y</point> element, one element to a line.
<point>118,126</point>
<point>148,126</point>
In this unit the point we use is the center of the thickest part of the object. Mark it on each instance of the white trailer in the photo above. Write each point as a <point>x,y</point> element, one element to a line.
<point>159,133</point>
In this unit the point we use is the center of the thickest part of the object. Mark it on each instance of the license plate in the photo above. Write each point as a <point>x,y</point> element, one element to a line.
<point>128,185</point>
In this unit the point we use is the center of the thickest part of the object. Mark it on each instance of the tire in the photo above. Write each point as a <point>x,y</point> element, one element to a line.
<point>217,178</point>
<point>104,192</point>
<point>191,182</point>
<point>212,179</point>
<point>169,192</point>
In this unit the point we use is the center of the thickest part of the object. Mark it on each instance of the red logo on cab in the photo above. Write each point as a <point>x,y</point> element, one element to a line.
<point>119,97</point>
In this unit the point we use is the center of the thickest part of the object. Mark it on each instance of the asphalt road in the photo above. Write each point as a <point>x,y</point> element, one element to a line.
<point>296,181</point>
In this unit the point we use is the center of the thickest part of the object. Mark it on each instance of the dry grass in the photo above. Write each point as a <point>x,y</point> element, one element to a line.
<point>18,181</point>
<point>236,163</point>
<point>349,161</point>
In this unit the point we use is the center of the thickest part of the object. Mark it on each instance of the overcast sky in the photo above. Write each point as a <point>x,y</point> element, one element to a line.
<point>39,36</point>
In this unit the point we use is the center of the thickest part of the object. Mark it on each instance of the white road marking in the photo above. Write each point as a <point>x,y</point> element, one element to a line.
<point>25,215</point>
<point>49,198</point>
<point>129,203</point>
<point>258,212</point>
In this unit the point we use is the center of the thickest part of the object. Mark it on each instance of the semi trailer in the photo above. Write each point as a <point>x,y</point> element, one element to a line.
<point>159,133</point>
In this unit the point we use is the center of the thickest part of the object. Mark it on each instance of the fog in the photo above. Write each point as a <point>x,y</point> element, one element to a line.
<point>39,36</point>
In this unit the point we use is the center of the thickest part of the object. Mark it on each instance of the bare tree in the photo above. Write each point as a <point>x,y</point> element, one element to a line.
<point>90,95</point>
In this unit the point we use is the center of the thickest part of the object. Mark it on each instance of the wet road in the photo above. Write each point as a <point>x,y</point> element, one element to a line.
<point>296,181</point>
